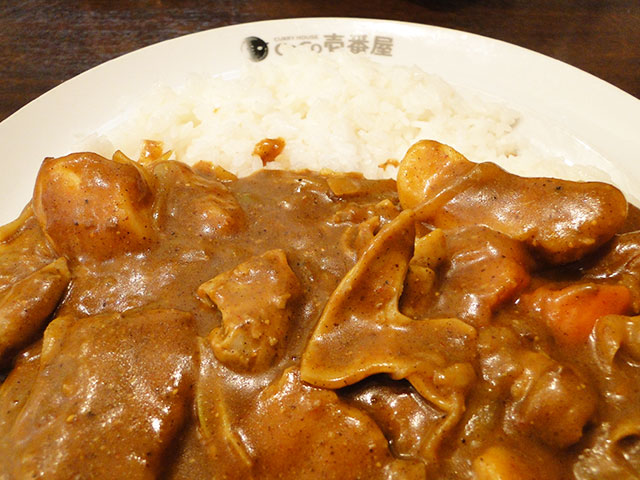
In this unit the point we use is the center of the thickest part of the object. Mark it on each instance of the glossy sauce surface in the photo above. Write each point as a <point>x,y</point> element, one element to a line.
<point>299,325</point>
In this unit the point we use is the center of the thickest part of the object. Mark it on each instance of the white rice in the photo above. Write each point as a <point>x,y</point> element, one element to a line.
<point>340,112</point>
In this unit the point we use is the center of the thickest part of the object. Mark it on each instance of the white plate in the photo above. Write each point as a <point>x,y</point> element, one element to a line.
<point>570,112</point>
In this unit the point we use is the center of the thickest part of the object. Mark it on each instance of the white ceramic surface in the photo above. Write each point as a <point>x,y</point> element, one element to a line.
<point>565,110</point>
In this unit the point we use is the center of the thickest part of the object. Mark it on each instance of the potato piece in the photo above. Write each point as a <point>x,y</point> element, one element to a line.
<point>560,220</point>
<point>427,169</point>
<point>27,305</point>
<point>255,301</point>
<point>92,207</point>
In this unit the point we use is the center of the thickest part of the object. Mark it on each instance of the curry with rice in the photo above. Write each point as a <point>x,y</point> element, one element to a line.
<point>165,321</point>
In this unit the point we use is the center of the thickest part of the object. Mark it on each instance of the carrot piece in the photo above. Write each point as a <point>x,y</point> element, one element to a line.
<point>571,312</point>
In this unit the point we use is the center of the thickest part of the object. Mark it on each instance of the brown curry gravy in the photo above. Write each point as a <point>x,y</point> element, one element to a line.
<point>323,236</point>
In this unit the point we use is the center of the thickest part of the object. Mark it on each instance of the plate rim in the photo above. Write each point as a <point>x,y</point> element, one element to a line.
<point>616,136</point>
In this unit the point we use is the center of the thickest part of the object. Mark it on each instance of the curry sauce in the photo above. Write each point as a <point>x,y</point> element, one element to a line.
<point>165,321</point>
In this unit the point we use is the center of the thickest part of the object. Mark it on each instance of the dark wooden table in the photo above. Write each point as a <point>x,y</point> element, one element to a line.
<point>45,42</point>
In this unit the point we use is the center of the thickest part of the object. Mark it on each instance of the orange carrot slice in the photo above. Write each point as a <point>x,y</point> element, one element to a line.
<point>571,312</point>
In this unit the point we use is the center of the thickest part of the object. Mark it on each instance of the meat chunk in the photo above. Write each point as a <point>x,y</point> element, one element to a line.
<point>92,207</point>
<point>499,354</point>
<point>255,301</point>
<point>212,208</point>
<point>284,436</point>
<point>560,220</point>
<point>365,221</point>
<point>553,403</point>
<point>545,398</point>
<point>27,305</point>
<point>289,430</point>
<point>406,419</point>
<point>477,270</point>
<point>111,392</point>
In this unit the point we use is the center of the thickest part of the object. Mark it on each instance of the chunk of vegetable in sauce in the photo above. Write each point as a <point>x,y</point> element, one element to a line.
<point>571,312</point>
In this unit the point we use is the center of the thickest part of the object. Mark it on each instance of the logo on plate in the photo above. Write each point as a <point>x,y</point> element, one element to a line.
<point>356,43</point>
<point>255,48</point>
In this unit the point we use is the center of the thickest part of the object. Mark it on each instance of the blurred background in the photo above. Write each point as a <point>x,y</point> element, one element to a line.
<point>45,42</point>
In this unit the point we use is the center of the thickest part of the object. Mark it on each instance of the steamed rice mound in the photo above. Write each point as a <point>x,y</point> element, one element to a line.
<point>340,112</point>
